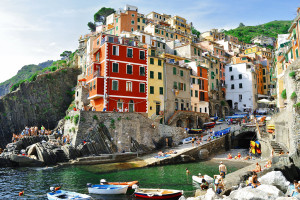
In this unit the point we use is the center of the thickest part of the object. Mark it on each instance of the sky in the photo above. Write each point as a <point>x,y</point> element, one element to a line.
<point>34,31</point>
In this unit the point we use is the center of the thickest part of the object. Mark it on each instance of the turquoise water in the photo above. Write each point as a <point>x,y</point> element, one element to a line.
<point>37,181</point>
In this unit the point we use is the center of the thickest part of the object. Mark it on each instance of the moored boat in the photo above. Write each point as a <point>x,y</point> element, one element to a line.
<point>130,184</point>
<point>107,189</point>
<point>63,194</point>
<point>145,193</point>
<point>209,125</point>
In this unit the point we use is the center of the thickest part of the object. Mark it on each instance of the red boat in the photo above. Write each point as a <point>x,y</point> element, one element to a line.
<point>144,193</point>
<point>209,125</point>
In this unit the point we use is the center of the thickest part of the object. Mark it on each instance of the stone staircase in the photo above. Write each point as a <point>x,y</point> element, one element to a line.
<point>277,148</point>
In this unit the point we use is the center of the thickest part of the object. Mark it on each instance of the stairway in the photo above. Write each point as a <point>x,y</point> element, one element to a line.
<point>277,148</point>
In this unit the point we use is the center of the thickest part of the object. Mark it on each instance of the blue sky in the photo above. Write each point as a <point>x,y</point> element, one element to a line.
<point>33,31</point>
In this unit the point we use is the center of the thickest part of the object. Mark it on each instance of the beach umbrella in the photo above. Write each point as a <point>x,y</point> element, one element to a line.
<point>265,101</point>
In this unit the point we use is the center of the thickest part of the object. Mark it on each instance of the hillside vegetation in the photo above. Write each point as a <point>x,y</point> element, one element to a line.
<point>270,29</point>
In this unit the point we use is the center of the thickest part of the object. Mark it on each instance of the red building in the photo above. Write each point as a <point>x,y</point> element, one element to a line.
<point>117,77</point>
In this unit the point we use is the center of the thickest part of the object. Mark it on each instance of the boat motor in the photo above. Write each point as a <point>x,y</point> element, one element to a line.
<point>89,185</point>
<point>52,189</point>
<point>103,182</point>
<point>135,187</point>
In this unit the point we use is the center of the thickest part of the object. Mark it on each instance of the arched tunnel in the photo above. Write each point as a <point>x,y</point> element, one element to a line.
<point>242,140</point>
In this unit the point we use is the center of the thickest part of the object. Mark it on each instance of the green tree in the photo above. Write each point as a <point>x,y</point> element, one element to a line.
<point>101,15</point>
<point>65,55</point>
<point>92,26</point>
<point>241,25</point>
<point>195,31</point>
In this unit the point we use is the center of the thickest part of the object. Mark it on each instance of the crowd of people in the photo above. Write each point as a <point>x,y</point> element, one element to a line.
<point>35,131</point>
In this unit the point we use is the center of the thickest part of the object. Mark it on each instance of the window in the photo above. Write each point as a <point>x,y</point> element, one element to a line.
<point>158,44</point>
<point>231,77</point>
<point>167,34</point>
<point>181,72</point>
<point>199,81</point>
<point>152,61</point>
<point>159,62</point>
<point>115,67</point>
<point>162,32</point>
<point>230,69</point>
<point>129,69</point>
<point>184,87</point>
<point>196,93</point>
<point>205,109</point>
<point>195,51</point>
<point>192,93</point>
<point>110,39</point>
<point>138,19</point>
<point>142,87</point>
<point>240,76</point>
<point>216,71</point>
<point>161,90</point>
<point>159,76</point>
<point>202,96</point>
<point>241,85</point>
<point>132,30</point>
<point>200,72</point>
<point>164,46</point>
<point>174,70</point>
<point>115,50</point>
<point>142,71</point>
<point>98,56</point>
<point>138,27</point>
<point>264,71</point>
<point>94,84</point>
<point>175,52</point>
<point>151,89</point>
<point>115,85</point>
<point>264,79</point>
<point>97,41</point>
<point>142,55</point>
<point>240,97</point>
<point>129,86</point>
<point>144,21</point>
<point>232,86</point>
<point>132,15</point>
<point>152,52</point>
<point>265,87</point>
<point>151,74</point>
<point>175,85</point>
<point>193,80</point>
<point>132,21</point>
<point>129,53</point>
<point>117,28</point>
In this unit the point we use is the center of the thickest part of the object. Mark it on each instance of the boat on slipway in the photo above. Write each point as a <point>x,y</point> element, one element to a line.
<point>145,193</point>
<point>199,179</point>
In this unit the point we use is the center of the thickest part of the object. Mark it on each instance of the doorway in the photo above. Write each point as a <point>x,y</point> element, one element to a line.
<point>157,108</point>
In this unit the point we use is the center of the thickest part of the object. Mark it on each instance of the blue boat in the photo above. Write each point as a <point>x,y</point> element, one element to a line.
<point>187,140</point>
<point>107,189</point>
<point>63,194</point>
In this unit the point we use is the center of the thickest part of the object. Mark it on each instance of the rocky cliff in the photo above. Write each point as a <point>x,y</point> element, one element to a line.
<point>41,102</point>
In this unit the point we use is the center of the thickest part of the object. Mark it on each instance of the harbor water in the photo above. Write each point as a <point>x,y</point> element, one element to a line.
<point>35,182</point>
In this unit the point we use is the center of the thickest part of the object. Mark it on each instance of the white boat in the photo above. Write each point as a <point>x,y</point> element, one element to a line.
<point>63,194</point>
<point>146,193</point>
<point>107,189</point>
<point>187,140</point>
<point>199,179</point>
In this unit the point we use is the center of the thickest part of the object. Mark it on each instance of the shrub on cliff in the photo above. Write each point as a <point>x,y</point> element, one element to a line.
<point>283,94</point>
<point>293,95</point>
<point>76,119</point>
<point>292,74</point>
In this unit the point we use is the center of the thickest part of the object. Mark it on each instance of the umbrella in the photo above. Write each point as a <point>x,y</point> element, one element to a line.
<point>266,101</point>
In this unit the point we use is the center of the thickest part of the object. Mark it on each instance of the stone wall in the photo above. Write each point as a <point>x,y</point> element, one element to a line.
<point>287,122</point>
<point>118,132</point>
<point>41,102</point>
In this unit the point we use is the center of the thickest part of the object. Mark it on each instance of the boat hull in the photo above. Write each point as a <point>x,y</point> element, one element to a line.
<point>62,194</point>
<point>158,194</point>
<point>99,189</point>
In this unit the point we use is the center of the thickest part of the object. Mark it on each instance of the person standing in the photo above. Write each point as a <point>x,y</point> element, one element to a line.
<point>222,169</point>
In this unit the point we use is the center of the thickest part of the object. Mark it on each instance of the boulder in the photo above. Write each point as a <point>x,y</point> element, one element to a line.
<point>272,191</point>
<point>210,195</point>
<point>31,150</point>
<point>248,193</point>
<point>5,163</point>
<point>275,178</point>
<point>24,161</point>
<point>70,151</point>
<point>200,192</point>
<point>203,154</point>
<point>288,198</point>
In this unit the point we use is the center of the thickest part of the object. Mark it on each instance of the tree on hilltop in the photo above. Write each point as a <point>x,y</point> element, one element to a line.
<point>65,55</point>
<point>101,15</point>
<point>92,26</point>
<point>241,25</point>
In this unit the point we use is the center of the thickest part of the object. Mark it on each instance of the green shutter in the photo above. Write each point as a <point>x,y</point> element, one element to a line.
<point>175,85</point>
<point>181,73</point>
<point>159,76</point>
<point>151,89</point>
<point>184,87</point>
<point>152,61</point>
<point>151,74</point>
<point>161,90</point>
<point>174,70</point>
<point>159,62</point>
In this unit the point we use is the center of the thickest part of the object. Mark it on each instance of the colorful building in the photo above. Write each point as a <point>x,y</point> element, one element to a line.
<point>117,78</point>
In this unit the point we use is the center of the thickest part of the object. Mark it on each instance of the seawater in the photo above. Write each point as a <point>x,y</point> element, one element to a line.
<point>37,181</point>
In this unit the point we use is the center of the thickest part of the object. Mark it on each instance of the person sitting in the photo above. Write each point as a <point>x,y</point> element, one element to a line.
<point>250,180</point>
<point>269,164</point>
<point>219,185</point>
<point>239,155</point>
<point>281,153</point>
<point>204,185</point>
<point>257,168</point>
<point>160,154</point>
<point>297,187</point>
<point>254,182</point>
<point>229,156</point>
<point>248,157</point>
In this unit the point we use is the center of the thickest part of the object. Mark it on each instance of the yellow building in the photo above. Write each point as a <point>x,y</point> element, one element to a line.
<point>141,22</point>
<point>179,23</point>
<point>155,84</point>
<point>253,49</point>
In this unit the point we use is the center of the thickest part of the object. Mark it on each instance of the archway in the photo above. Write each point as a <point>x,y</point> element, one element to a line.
<point>217,108</point>
<point>179,123</point>
<point>226,111</point>
<point>199,122</point>
<point>190,123</point>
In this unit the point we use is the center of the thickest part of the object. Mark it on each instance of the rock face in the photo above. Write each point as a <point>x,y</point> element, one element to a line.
<point>41,102</point>
<point>248,193</point>
<point>275,178</point>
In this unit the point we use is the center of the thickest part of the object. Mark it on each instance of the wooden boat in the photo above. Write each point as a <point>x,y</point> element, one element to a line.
<point>209,125</point>
<point>199,179</point>
<point>195,131</point>
<point>130,184</point>
<point>107,189</point>
<point>145,193</point>
<point>63,194</point>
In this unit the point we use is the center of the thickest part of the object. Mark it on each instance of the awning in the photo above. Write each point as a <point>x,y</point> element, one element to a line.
<point>83,79</point>
<point>266,101</point>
